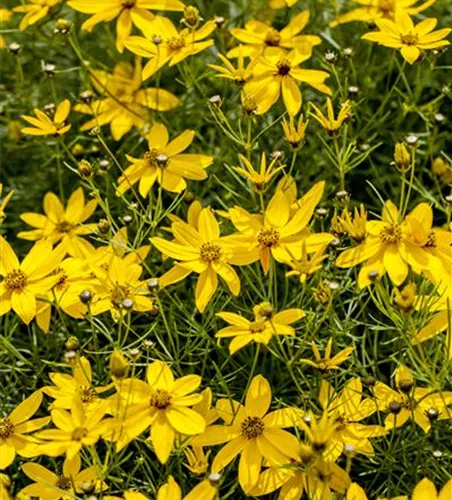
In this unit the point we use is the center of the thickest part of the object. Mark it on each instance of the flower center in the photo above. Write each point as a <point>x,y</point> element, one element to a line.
<point>129,4</point>
<point>79,433</point>
<point>341,423</point>
<point>283,67</point>
<point>87,394</point>
<point>272,38</point>
<point>176,42</point>
<point>16,280</point>
<point>210,252</point>
<point>268,237</point>
<point>6,428</point>
<point>63,482</point>
<point>431,239</point>
<point>391,234</point>
<point>257,326</point>
<point>62,282</point>
<point>160,399</point>
<point>150,157</point>
<point>119,294</point>
<point>252,427</point>
<point>64,226</point>
<point>410,39</point>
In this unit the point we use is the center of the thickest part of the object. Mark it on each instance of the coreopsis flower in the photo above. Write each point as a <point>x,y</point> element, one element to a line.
<point>239,75</point>
<point>124,104</point>
<point>120,290</point>
<point>128,12</point>
<point>73,430</point>
<point>276,73</point>
<point>331,124</point>
<point>204,252</point>
<point>405,299</point>
<point>371,10</point>
<point>347,409</point>
<point>258,37</point>
<point>420,404</point>
<point>391,246</point>
<point>294,133</point>
<point>63,225</point>
<point>306,265</point>
<point>352,223</point>
<point>165,162</point>
<point>5,16</point>
<point>328,363</point>
<point>263,176</point>
<point>277,233</point>
<point>46,125</point>
<point>15,427</point>
<point>23,282</point>
<point>167,45</point>
<point>253,432</point>
<point>3,202</point>
<point>34,11</point>
<point>163,404</point>
<point>260,330</point>
<point>402,157</point>
<point>50,486</point>
<point>411,40</point>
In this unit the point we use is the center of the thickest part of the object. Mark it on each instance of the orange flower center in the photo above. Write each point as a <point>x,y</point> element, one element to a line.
<point>272,38</point>
<point>283,67</point>
<point>16,280</point>
<point>79,433</point>
<point>392,233</point>
<point>150,157</point>
<point>6,428</point>
<point>410,39</point>
<point>160,399</point>
<point>176,42</point>
<point>257,326</point>
<point>87,394</point>
<point>64,483</point>
<point>252,427</point>
<point>210,252</point>
<point>64,226</point>
<point>268,237</point>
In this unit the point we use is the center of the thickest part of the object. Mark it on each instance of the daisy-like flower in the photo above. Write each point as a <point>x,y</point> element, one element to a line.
<point>351,223</point>
<point>411,40</point>
<point>65,225</point>
<point>261,330</point>
<point>165,162</point>
<point>15,426</point>
<point>263,176</point>
<point>45,125</point>
<point>128,12</point>
<point>203,251</point>
<point>306,265</point>
<point>420,404</point>
<point>276,73</point>
<point>34,11</point>
<point>328,363</point>
<point>391,246</point>
<point>372,10</point>
<point>253,432</point>
<point>172,46</point>
<point>3,202</point>
<point>23,282</point>
<point>331,124</point>
<point>239,75</point>
<point>50,486</point>
<point>258,36</point>
<point>161,404</point>
<point>124,103</point>
<point>294,133</point>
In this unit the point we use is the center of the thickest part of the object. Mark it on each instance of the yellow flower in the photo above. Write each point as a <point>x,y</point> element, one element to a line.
<point>279,4</point>
<point>23,282</point>
<point>128,12</point>
<point>352,224</point>
<point>409,39</point>
<point>165,163</point>
<point>304,266</point>
<point>47,126</point>
<point>275,73</point>
<point>259,178</point>
<point>239,75</point>
<point>261,330</point>
<point>119,366</point>
<point>202,251</point>
<point>15,426</point>
<point>405,299</point>
<point>420,404</point>
<point>329,123</point>
<point>163,405</point>
<point>258,36</point>
<point>426,490</point>
<point>63,225</point>
<point>172,46</point>
<point>34,11</point>
<point>5,484</point>
<point>328,363</point>
<point>252,432</point>
<point>3,202</point>
<point>346,410</point>
<point>376,9</point>
<point>73,430</point>
<point>50,486</point>
<point>124,103</point>
<point>198,461</point>
<point>391,246</point>
<point>295,134</point>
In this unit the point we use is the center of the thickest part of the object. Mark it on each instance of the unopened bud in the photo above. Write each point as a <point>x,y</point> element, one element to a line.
<point>432,414</point>
<point>395,407</point>
<point>86,296</point>
<point>118,365</point>
<point>402,157</point>
<point>72,344</point>
<point>219,21</point>
<point>14,48</point>
<point>191,16</point>
<point>162,160</point>
<point>127,219</point>
<point>63,26</point>
<point>85,169</point>
<point>330,57</point>
<point>127,304</point>
<point>214,478</point>
<point>369,381</point>
<point>49,69</point>
<point>103,226</point>
<point>406,385</point>
<point>78,150</point>
<point>153,285</point>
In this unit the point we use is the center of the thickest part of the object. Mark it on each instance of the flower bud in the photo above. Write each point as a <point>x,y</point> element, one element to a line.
<point>72,344</point>
<point>78,150</point>
<point>191,16</point>
<point>103,226</point>
<point>402,157</point>
<point>86,96</point>
<point>153,285</point>
<point>432,414</point>
<point>395,407</point>
<point>118,365</point>
<point>14,48</point>
<point>85,169</point>
<point>63,26</point>
<point>86,296</point>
